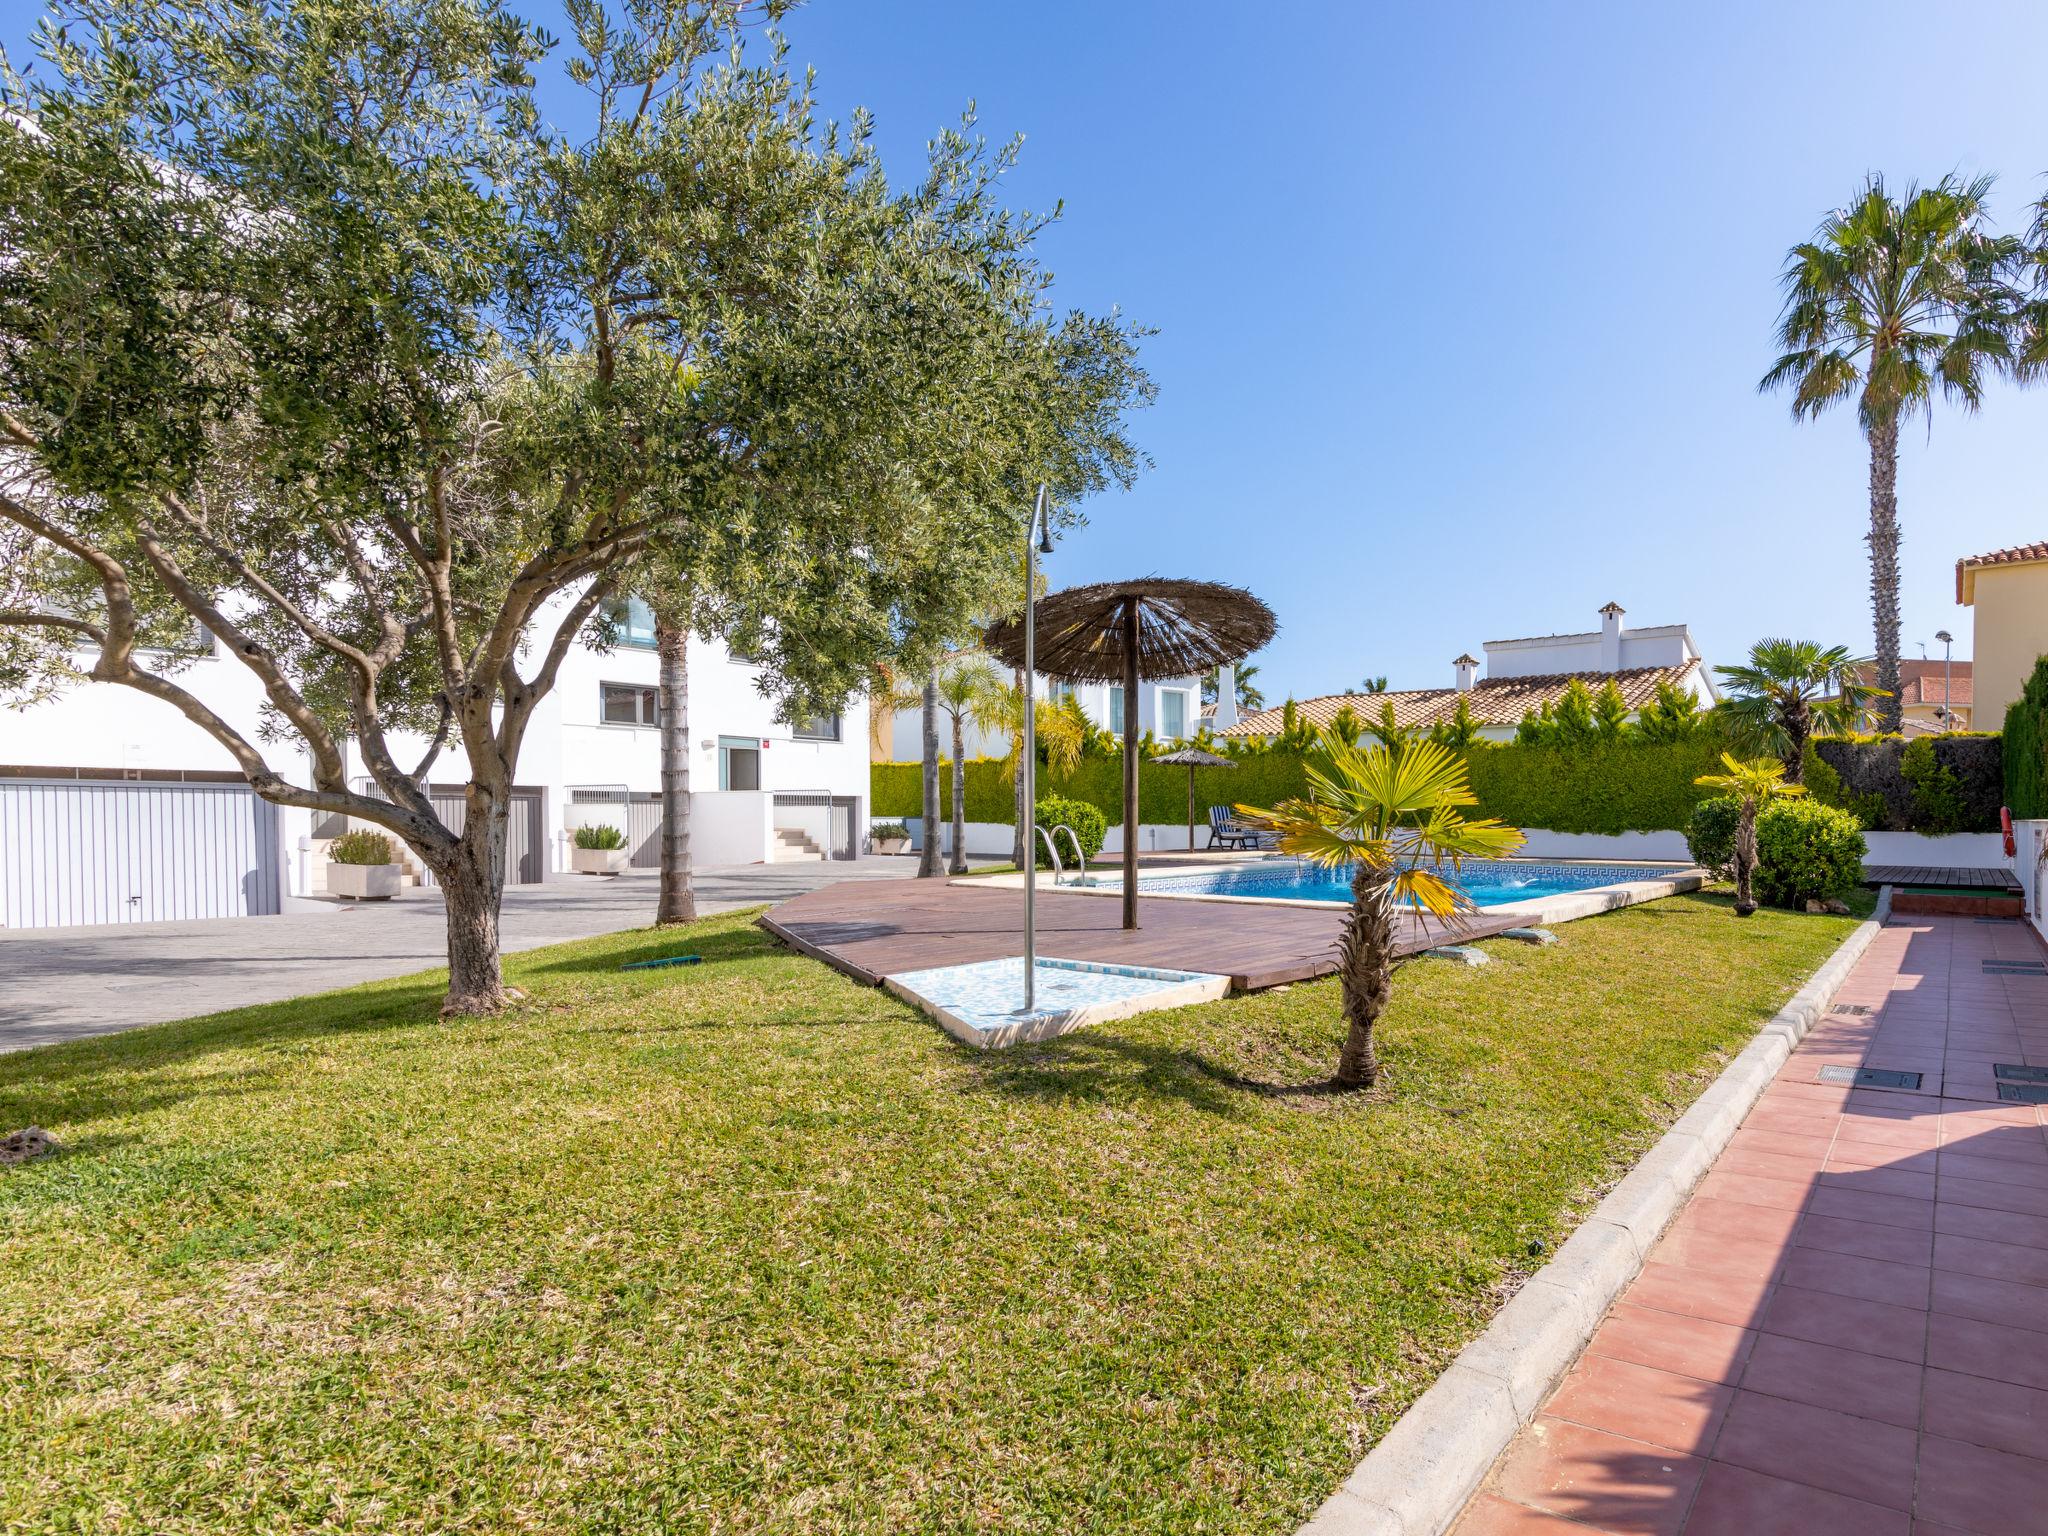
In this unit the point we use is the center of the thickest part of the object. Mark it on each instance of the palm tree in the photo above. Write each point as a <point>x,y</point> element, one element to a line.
<point>963,683</point>
<point>1752,783</point>
<point>1249,698</point>
<point>1890,300</point>
<point>1397,817</point>
<point>1376,684</point>
<point>1060,733</point>
<point>677,902</point>
<point>1788,690</point>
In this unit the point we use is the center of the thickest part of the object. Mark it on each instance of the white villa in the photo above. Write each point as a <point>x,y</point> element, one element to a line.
<point>1170,709</point>
<point>1521,675</point>
<point>115,808</point>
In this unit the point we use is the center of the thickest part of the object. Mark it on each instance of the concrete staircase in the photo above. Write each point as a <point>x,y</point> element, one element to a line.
<point>794,845</point>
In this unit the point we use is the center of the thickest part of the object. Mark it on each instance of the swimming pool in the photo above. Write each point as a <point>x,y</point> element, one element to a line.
<point>1491,882</point>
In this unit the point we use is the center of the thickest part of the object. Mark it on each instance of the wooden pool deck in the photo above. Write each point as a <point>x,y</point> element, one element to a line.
<point>1989,880</point>
<point>872,929</point>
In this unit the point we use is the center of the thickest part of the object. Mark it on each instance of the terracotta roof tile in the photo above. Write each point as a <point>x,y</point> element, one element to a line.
<point>2019,554</point>
<point>1492,700</point>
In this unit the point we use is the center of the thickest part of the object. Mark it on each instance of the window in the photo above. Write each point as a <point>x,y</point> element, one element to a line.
<point>630,704</point>
<point>632,620</point>
<point>1115,722</point>
<point>817,728</point>
<point>1173,714</point>
<point>739,762</point>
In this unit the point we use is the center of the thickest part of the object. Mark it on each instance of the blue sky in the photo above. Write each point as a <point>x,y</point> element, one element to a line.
<point>1461,309</point>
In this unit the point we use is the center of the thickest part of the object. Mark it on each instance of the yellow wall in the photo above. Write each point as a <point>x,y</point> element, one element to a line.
<point>2010,606</point>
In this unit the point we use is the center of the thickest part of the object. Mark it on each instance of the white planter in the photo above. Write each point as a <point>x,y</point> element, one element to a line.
<point>892,845</point>
<point>598,861</point>
<point>364,882</point>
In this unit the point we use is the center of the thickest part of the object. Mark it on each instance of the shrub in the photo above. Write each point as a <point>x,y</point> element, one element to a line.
<point>1710,835</point>
<point>1806,852</point>
<point>1955,782</point>
<point>1937,791</point>
<point>604,837</point>
<point>2024,768</point>
<point>1089,825</point>
<point>888,831</point>
<point>361,846</point>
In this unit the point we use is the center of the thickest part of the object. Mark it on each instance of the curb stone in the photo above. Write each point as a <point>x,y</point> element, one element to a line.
<point>1418,1479</point>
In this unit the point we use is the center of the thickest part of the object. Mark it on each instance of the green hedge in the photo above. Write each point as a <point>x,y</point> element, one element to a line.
<point>2026,747</point>
<point>1938,783</point>
<point>1627,786</point>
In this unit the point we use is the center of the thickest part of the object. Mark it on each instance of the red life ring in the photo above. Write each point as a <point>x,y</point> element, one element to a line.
<point>2005,825</point>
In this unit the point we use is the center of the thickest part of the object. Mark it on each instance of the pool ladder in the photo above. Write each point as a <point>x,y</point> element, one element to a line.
<point>1053,851</point>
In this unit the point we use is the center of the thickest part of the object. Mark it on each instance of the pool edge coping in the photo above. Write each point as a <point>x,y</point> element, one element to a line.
<point>1419,1478</point>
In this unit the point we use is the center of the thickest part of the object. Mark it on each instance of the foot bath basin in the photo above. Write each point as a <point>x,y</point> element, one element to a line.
<point>982,1003</point>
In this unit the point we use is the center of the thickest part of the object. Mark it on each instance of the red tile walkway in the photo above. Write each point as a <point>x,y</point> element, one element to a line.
<point>1846,1328</point>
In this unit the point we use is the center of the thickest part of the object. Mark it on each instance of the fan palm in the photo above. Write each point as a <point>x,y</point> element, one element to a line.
<point>1889,301</point>
<point>1788,690</point>
<point>963,683</point>
<point>1060,736</point>
<point>1752,783</point>
<point>1399,818</point>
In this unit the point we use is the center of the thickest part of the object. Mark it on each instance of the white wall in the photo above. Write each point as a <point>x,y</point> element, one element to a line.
<point>1954,850</point>
<point>2030,866</point>
<point>1658,645</point>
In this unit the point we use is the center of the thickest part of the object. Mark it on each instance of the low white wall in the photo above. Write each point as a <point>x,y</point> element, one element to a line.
<point>993,838</point>
<point>1954,850</point>
<point>729,826</point>
<point>1661,847</point>
<point>2030,867</point>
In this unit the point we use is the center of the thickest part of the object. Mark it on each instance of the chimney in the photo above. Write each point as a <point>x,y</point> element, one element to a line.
<point>1226,699</point>
<point>1610,638</point>
<point>1468,671</point>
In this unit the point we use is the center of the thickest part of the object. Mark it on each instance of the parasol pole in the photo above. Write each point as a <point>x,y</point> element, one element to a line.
<point>1130,762</point>
<point>1037,537</point>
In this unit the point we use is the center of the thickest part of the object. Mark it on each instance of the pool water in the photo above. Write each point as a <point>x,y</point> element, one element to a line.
<point>1491,882</point>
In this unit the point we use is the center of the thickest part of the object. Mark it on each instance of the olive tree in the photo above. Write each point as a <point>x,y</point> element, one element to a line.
<point>314,335</point>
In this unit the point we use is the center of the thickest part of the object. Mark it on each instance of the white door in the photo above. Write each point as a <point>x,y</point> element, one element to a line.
<point>85,851</point>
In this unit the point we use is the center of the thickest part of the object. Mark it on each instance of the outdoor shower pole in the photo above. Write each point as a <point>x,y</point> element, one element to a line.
<point>1037,536</point>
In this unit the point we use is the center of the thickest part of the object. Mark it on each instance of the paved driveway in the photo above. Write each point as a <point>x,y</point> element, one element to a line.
<point>63,983</point>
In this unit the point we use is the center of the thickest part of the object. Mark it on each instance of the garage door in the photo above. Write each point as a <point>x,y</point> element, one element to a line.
<point>525,841</point>
<point>76,851</point>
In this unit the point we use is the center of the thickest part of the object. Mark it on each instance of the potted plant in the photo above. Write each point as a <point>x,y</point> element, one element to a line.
<point>600,850</point>
<point>361,864</point>
<point>889,837</point>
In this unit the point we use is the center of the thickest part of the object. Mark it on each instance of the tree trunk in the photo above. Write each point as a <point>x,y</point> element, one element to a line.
<point>958,864</point>
<point>1365,967</point>
<point>1745,859</point>
<point>928,858</point>
<point>1021,845</point>
<point>678,902</point>
<point>1798,723</point>
<point>472,879</point>
<point>1884,567</point>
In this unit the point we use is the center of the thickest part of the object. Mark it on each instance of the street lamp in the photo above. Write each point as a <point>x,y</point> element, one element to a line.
<point>1037,541</point>
<point>1948,708</point>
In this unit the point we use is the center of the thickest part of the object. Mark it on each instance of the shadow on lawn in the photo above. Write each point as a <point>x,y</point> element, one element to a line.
<point>105,1074</point>
<point>659,944</point>
<point>1094,1066</point>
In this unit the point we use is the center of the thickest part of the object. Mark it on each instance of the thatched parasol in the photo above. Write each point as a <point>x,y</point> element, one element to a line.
<point>1192,758</point>
<point>1124,631</point>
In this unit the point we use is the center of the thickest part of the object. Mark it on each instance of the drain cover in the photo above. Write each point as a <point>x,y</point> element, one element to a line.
<point>1869,1077</point>
<point>2015,968</point>
<point>1855,1008</point>
<point>2014,1093</point>
<point>2011,1074</point>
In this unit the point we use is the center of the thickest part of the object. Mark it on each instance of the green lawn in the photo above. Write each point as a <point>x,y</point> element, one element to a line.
<point>747,1247</point>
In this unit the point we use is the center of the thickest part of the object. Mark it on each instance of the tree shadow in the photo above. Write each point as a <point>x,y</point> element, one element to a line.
<point>1092,1066</point>
<point>660,944</point>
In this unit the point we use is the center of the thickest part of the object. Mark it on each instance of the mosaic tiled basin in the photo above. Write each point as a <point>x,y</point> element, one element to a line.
<point>982,1003</point>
